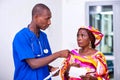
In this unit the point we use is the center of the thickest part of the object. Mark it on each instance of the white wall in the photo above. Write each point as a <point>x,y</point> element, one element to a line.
<point>73,18</point>
<point>68,15</point>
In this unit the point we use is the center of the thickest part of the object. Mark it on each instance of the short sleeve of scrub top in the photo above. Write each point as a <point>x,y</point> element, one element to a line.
<point>22,45</point>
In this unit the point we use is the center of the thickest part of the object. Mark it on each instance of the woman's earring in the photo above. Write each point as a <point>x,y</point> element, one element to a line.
<point>90,45</point>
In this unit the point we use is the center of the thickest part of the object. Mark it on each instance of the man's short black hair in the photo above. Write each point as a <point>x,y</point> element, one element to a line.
<point>38,9</point>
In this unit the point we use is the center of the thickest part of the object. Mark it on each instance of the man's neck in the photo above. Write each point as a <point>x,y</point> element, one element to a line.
<point>34,29</point>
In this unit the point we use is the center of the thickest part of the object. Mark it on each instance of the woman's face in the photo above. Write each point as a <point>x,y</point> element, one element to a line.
<point>83,38</point>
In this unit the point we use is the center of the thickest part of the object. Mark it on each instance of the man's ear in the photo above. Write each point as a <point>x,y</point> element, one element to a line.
<point>36,18</point>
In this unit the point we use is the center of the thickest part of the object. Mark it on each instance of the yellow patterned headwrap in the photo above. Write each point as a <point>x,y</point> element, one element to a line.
<point>98,35</point>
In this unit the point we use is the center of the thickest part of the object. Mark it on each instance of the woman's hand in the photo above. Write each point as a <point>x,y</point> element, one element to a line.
<point>88,77</point>
<point>75,65</point>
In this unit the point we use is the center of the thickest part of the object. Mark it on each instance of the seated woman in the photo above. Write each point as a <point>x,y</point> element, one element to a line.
<point>86,63</point>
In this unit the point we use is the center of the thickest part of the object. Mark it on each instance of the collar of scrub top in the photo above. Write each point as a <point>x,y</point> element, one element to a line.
<point>43,51</point>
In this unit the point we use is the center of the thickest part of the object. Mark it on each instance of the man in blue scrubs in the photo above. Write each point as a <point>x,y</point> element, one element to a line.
<point>31,50</point>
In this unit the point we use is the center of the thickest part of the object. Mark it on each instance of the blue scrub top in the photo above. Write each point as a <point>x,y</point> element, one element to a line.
<point>27,45</point>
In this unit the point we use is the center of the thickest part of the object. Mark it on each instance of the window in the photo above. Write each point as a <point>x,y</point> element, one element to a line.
<point>101,17</point>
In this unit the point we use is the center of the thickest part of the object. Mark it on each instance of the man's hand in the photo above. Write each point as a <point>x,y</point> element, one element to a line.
<point>64,53</point>
<point>53,69</point>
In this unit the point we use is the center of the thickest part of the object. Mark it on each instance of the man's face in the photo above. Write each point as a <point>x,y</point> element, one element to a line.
<point>43,21</point>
